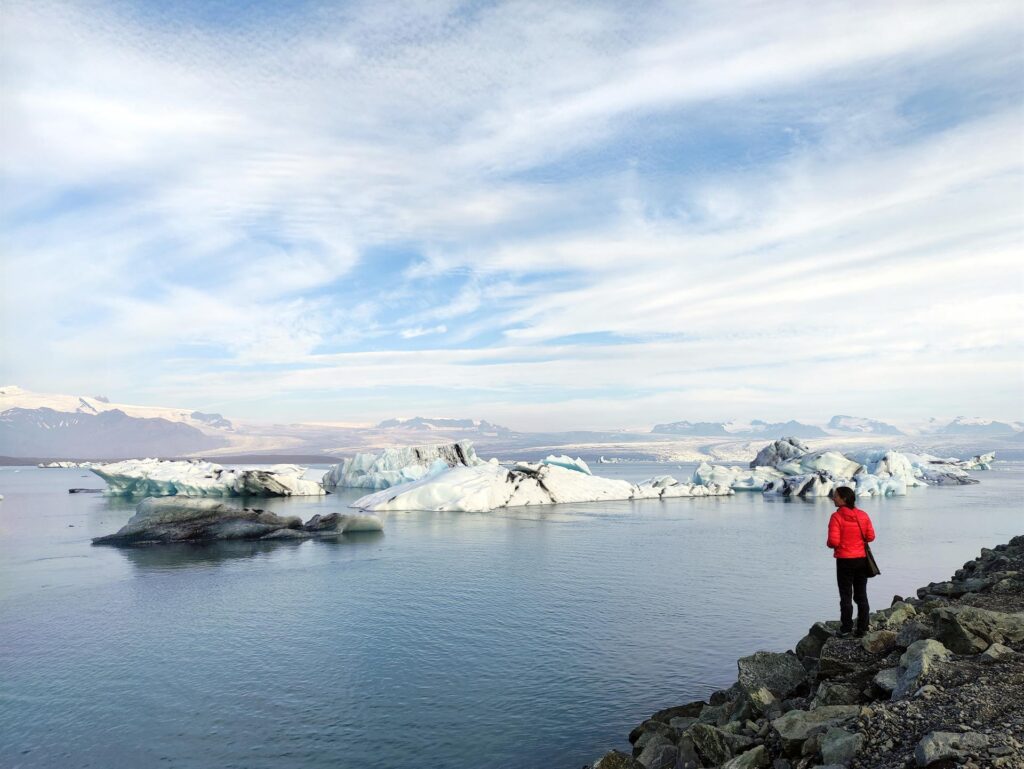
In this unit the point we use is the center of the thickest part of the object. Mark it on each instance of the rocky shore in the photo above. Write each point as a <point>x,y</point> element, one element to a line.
<point>938,681</point>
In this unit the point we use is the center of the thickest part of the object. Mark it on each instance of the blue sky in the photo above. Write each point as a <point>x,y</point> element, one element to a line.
<point>545,215</point>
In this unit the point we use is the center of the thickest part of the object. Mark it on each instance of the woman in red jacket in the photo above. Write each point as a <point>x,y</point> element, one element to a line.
<point>848,529</point>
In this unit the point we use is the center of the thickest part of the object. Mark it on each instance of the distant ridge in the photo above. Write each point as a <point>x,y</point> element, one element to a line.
<point>861,425</point>
<point>758,428</point>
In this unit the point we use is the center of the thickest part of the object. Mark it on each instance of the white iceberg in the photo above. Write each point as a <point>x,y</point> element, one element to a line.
<point>393,467</point>
<point>568,463</point>
<point>788,467</point>
<point>486,487</point>
<point>155,477</point>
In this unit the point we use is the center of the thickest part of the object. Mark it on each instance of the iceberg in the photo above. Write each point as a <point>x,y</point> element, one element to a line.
<point>787,467</point>
<point>173,519</point>
<point>156,477</point>
<point>568,463</point>
<point>396,466</point>
<point>486,487</point>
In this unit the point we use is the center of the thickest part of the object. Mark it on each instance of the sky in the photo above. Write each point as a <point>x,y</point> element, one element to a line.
<point>547,215</point>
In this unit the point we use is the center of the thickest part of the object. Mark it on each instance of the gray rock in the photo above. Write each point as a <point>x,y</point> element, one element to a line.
<point>649,738</point>
<point>916,662</point>
<point>944,746</point>
<point>615,760</point>
<point>996,652</point>
<point>650,725</point>
<point>688,758</point>
<point>781,674</point>
<point>886,679</point>
<point>835,694</point>
<point>879,641</point>
<point>810,645</point>
<point>715,714</point>
<point>843,657</point>
<point>689,709</point>
<point>757,758</point>
<point>969,630</point>
<point>682,723</point>
<point>896,615</point>
<point>912,631</point>
<point>712,744</point>
<point>796,726</point>
<point>839,746</point>
<point>658,755</point>
<point>762,700</point>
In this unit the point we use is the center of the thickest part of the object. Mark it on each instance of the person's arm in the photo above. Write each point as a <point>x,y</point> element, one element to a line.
<point>834,536</point>
<point>869,530</point>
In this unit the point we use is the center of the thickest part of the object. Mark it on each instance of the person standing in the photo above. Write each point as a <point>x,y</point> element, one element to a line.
<point>848,529</point>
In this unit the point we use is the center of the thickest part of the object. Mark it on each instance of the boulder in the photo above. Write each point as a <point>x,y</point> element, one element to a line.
<point>835,694</point>
<point>948,746</point>
<point>690,709</point>
<point>712,744</point>
<point>839,746</point>
<point>920,658</point>
<point>613,759</point>
<point>893,617</point>
<point>688,758</point>
<point>996,652</point>
<point>757,758</point>
<point>969,630</point>
<point>796,726</point>
<point>886,679</point>
<point>810,645</point>
<point>658,755</point>
<point>781,674</point>
<point>879,641</point>
<point>654,737</point>
<point>912,631</point>
<point>842,657</point>
<point>763,701</point>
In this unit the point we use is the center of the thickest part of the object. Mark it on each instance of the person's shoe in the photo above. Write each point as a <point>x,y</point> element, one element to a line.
<point>844,633</point>
<point>859,633</point>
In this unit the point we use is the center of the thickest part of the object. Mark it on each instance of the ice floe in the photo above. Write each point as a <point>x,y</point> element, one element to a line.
<point>173,519</point>
<point>156,477</point>
<point>396,466</point>
<point>490,486</point>
<point>787,467</point>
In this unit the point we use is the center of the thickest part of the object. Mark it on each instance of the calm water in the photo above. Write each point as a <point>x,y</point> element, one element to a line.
<point>520,639</point>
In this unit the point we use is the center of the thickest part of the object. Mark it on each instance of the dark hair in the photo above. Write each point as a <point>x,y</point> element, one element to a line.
<point>845,495</point>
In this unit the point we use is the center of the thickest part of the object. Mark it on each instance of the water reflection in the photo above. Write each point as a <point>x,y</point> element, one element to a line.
<point>185,555</point>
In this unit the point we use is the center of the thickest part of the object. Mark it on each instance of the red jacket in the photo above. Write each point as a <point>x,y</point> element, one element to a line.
<point>844,532</point>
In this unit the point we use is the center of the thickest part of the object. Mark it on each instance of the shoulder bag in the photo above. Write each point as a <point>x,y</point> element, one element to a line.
<point>872,567</point>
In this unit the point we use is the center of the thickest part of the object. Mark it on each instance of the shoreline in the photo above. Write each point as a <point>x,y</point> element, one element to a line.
<point>938,681</point>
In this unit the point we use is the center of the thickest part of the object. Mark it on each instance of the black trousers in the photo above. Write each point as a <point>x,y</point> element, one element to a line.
<point>852,576</point>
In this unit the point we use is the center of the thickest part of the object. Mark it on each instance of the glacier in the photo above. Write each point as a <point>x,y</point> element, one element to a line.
<point>396,466</point>
<point>488,486</point>
<point>787,467</point>
<point>157,477</point>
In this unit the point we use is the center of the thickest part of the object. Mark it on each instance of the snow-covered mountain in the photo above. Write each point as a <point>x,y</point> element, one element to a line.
<point>756,428</point>
<point>446,424</point>
<point>109,434</point>
<point>862,425</point>
<point>91,427</point>
<point>979,426</point>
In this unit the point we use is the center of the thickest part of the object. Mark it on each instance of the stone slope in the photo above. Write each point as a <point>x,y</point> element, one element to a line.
<point>938,682</point>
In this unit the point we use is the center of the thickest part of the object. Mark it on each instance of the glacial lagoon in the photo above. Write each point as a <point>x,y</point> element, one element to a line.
<point>518,638</point>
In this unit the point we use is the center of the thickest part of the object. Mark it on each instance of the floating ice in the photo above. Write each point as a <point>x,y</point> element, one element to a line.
<point>489,486</point>
<point>174,519</point>
<point>788,467</point>
<point>568,463</point>
<point>155,477</point>
<point>392,467</point>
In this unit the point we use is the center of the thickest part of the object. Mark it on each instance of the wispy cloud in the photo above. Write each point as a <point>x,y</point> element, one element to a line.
<point>718,204</point>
